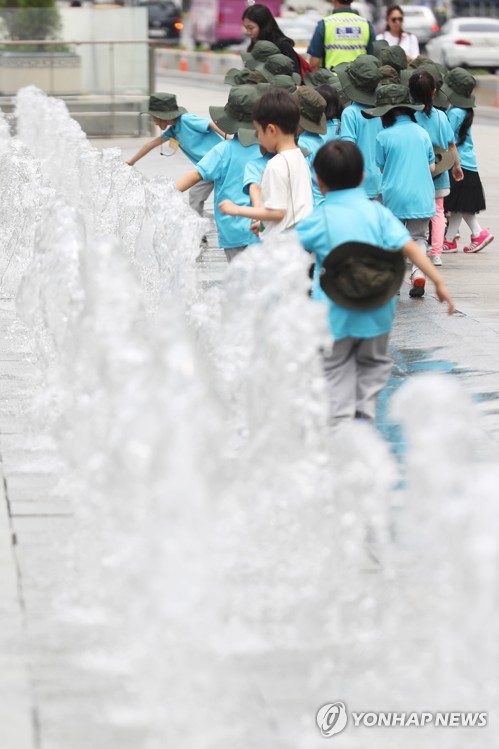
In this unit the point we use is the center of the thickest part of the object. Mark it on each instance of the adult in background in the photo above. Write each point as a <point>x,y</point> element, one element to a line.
<point>260,25</point>
<point>340,37</point>
<point>394,33</point>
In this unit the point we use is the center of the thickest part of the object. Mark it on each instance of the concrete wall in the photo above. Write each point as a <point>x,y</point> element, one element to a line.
<point>106,69</point>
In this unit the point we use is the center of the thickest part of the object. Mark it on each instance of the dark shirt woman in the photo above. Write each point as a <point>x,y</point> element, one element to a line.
<point>260,25</point>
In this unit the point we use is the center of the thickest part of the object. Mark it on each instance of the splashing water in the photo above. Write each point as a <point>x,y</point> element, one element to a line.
<point>221,534</point>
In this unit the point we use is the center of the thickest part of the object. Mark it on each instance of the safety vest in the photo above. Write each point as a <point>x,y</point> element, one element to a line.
<point>346,36</point>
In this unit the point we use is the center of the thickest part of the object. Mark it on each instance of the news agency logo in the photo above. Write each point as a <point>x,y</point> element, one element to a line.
<point>332,718</point>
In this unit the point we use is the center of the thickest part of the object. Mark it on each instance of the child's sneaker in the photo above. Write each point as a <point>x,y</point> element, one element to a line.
<point>449,247</point>
<point>435,259</point>
<point>418,280</point>
<point>478,243</point>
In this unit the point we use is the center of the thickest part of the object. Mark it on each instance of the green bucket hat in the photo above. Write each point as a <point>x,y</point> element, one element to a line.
<point>237,76</point>
<point>283,81</point>
<point>389,74</point>
<point>390,97</point>
<point>361,276</point>
<point>260,53</point>
<point>439,100</point>
<point>279,65</point>
<point>164,107</point>
<point>394,56</point>
<point>458,87</point>
<point>320,78</point>
<point>237,115</point>
<point>378,45</point>
<point>359,79</point>
<point>419,60</point>
<point>312,110</point>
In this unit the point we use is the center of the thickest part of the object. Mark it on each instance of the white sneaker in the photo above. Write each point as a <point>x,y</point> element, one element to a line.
<point>418,280</point>
<point>435,259</point>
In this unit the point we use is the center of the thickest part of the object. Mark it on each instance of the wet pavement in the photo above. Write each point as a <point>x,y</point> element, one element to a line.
<point>34,515</point>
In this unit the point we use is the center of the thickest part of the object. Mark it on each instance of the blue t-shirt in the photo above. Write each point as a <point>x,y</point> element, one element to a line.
<point>349,216</point>
<point>404,153</point>
<point>253,171</point>
<point>194,134</point>
<point>225,165</point>
<point>363,132</point>
<point>440,132</point>
<point>316,46</point>
<point>333,130</point>
<point>312,142</point>
<point>467,155</point>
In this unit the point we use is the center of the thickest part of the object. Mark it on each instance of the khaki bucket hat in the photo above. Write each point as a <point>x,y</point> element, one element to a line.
<point>312,110</point>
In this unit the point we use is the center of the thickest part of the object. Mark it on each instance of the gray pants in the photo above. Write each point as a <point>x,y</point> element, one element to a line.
<point>357,369</point>
<point>198,194</point>
<point>232,252</point>
<point>418,229</point>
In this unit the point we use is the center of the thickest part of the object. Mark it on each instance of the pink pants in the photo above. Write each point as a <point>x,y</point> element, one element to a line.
<point>437,228</point>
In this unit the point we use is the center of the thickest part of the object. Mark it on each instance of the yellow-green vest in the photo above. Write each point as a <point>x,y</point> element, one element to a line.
<point>346,36</point>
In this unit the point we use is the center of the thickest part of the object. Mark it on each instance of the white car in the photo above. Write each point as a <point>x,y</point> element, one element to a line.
<point>467,42</point>
<point>420,21</point>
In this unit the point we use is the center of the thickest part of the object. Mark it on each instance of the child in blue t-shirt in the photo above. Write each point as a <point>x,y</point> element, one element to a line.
<point>423,88</point>
<point>312,129</point>
<point>358,367</point>
<point>194,135</point>
<point>466,197</point>
<point>358,81</point>
<point>405,155</point>
<point>334,108</point>
<point>225,164</point>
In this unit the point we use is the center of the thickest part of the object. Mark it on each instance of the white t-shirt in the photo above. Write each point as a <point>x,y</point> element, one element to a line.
<point>286,185</point>
<point>408,42</point>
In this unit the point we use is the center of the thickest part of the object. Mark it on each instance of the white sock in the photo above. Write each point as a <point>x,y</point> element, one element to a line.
<point>454,222</point>
<point>472,222</point>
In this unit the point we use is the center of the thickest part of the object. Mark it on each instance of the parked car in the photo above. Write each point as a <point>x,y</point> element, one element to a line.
<point>420,21</point>
<point>467,42</point>
<point>164,19</point>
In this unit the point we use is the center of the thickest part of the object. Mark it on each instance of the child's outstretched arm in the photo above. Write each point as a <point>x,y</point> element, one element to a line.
<point>145,149</point>
<point>257,213</point>
<point>188,180</point>
<point>417,256</point>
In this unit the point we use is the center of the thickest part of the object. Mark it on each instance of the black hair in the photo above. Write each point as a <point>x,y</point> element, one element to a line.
<point>389,118</point>
<point>339,164</point>
<point>269,31</point>
<point>334,107</point>
<point>422,85</point>
<point>277,108</point>
<point>465,126</point>
<point>389,12</point>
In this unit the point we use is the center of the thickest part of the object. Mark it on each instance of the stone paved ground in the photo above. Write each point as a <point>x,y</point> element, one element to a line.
<point>32,686</point>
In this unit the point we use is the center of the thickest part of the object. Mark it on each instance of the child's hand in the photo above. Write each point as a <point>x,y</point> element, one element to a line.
<point>457,173</point>
<point>228,208</point>
<point>255,228</point>
<point>444,296</point>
